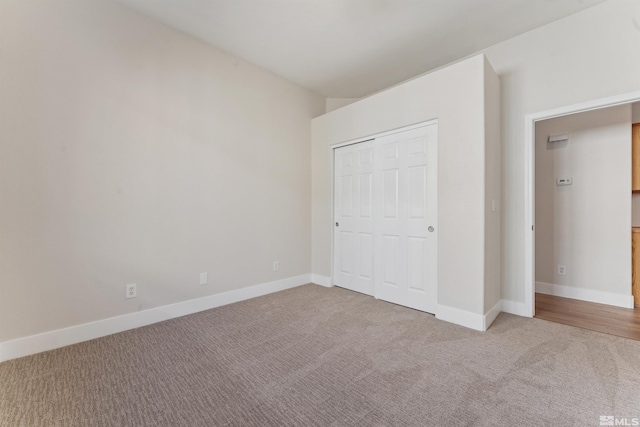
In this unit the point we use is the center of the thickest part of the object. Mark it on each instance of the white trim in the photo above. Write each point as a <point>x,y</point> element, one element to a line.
<point>321,280</point>
<point>380,135</point>
<point>461,317</point>
<point>529,178</point>
<point>468,319</point>
<point>529,212</point>
<point>595,104</point>
<point>591,295</point>
<point>62,337</point>
<point>332,163</point>
<point>514,307</point>
<point>491,315</point>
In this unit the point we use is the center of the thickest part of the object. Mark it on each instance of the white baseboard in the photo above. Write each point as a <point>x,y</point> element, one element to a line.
<point>59,338</point>
<point>468,319</point>
<point>62,337</point>
<point>488,318</point>
<point>461,317</point>
<point>601,297</point>
<point>321,280</point>
<point>514,307</point>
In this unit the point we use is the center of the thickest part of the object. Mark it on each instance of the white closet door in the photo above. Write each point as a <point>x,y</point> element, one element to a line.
<point>406,194</point>
<point>353,216</point>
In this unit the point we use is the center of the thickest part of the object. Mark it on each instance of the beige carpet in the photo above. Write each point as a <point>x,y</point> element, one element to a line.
<point>313,356</point>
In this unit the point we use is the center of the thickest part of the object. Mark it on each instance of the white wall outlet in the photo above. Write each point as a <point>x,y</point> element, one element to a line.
<point>204,278</point>
<point>276,266</point>
<point>131,291</point>
<point>562,270</point>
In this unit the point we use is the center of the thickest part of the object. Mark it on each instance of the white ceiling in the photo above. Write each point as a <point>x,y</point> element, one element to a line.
<point>352,48</point>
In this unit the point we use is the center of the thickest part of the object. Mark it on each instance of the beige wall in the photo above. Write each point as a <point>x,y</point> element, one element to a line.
<point>585,226</point>
<point>335,103</point>
<point>585,56</point>
<point>493,237</point>
<point>132,153</point>
<point>455,96</point>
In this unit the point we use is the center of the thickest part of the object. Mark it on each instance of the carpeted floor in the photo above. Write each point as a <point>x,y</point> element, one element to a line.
<point>313,356</point>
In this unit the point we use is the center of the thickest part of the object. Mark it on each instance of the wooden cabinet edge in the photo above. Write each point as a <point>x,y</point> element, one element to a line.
<point>635,157</point>
<point>635,267</point>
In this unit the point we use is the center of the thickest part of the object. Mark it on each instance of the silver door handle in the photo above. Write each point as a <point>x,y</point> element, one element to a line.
<point>431,229</point>
<point>337,224</point>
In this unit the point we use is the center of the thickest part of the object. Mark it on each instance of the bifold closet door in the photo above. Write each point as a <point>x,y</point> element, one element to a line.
<point>353,216</point>
<point>406,213</point>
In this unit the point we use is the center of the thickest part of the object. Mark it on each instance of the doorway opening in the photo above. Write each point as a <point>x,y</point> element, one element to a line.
<point>578,216</point>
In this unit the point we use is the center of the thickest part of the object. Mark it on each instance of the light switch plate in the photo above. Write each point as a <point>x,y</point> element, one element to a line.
<point>564,181</point>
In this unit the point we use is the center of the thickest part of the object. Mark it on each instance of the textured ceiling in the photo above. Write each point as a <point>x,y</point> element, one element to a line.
<point>351,48</point>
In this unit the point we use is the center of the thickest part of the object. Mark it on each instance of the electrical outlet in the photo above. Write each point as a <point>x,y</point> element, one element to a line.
<point>204,279</point>
<point>562,270</point>
<point>276,266</point>
<point>131,291</point>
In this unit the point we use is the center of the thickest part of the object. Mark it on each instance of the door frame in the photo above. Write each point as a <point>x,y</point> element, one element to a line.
<point>332,149</point>
<point>530,121</point>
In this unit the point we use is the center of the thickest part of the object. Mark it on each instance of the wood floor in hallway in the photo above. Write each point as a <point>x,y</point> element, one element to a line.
<point>622,322</point>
